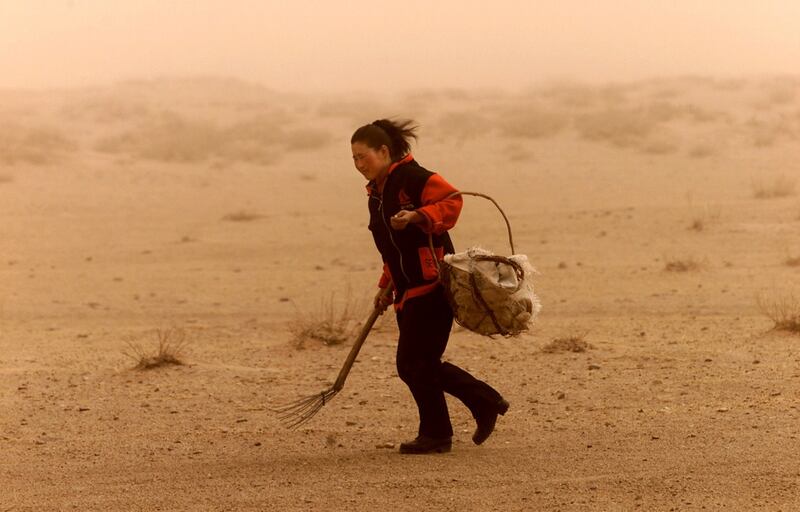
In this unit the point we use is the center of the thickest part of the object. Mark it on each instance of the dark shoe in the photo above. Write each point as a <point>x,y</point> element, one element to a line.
<point>487,421</point>
<point>425,444</point>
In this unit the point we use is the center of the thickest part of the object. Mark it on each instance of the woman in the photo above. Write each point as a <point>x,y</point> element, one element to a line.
<point>406,204</point>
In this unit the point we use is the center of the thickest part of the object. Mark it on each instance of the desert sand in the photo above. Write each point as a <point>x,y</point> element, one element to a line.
<point>662,215</point>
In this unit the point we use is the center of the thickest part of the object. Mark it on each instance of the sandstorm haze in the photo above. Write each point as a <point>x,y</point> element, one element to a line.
<point>182,170</point>
<point>388,46</point>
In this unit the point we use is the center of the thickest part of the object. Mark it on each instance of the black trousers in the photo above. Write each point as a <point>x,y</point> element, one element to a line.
<point>425,324</point>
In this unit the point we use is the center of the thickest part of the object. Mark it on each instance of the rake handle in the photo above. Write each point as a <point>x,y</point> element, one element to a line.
<point>356,348</point>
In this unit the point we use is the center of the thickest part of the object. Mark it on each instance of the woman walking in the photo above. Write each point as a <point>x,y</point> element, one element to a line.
<point>406,204</point>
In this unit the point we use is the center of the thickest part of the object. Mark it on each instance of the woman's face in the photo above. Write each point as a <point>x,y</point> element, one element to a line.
<point>371,163</point>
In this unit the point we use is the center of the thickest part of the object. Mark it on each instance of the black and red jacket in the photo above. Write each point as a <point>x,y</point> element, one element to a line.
<point>408,263</point>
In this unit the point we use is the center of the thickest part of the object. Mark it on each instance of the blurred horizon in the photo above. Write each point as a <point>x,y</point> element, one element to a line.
<point>360,46</point>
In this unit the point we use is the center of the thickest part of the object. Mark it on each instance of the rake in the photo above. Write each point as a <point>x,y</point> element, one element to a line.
<point>300,411</point>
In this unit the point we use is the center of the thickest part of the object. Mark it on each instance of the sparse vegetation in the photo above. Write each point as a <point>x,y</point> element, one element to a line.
<point>331,324</point>
<point>169,350</point>
<point>781,186</point>
<point>792,261</point>
<point>698,224</point>
<point>782,309</point>
<point>701,220</point>
<point>242,216</point>
<point>575,343</point>
<point>682,265</point>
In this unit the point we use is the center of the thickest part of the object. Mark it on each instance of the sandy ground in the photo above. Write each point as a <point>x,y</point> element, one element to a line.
<point>122,213</point>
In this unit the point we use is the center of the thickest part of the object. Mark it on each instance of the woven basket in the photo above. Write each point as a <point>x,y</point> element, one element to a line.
<point>488,293</point>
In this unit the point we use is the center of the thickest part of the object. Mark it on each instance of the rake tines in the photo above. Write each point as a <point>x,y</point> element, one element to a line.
<point>294,414</point>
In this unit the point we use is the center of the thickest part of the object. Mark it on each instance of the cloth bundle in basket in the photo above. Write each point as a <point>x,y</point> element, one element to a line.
<point>490,294</point>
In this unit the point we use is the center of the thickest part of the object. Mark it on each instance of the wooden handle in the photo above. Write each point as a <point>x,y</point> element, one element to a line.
<point>362,336</point>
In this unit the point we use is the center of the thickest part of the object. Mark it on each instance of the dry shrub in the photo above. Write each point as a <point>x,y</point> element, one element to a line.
<point>702,219</point>
<point>792,261</point>
<point>698,224</point>
<point>169,350</point>
<point>6,178</point>
<point>781,186</point>
<point>34,145</point>
<point>682,265</point>
<point>331,324</point>
<point>242,216</point>
<point>575,343</point>
<point>782,309</point>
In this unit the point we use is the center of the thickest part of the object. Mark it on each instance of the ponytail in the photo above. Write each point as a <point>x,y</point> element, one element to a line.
<point>396,135</point>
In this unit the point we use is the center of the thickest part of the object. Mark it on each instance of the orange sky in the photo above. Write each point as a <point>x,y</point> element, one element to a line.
<point>341,45</point>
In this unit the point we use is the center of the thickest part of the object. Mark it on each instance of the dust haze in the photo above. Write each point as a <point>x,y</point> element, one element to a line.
<point>184,246</point>
<point>390,46</point>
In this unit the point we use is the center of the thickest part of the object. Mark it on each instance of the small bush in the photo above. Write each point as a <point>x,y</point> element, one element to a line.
<point>782,309</point>
<point>169,350</point>
<point>698,224</point>
<point>781,186</point>
<point>242,216</point>
<point>682,265</point>
<point>331,324</point>
<point>575,343</point>
<point>792,261</point>
<point>702,219</point>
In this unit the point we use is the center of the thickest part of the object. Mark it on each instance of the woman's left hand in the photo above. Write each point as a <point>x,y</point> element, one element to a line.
<point>403,218</point>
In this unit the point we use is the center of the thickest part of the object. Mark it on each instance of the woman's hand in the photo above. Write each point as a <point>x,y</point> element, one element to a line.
<point>383,300</point>
<point>403,218</point>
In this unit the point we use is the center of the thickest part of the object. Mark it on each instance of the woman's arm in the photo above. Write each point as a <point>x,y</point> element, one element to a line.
<point>439,212</point>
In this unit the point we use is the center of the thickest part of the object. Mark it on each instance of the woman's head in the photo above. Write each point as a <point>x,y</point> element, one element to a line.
<point>378,144</point>
<point>395,135</point>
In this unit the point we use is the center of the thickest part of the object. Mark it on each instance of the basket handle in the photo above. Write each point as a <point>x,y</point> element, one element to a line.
<point>477,194</point>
